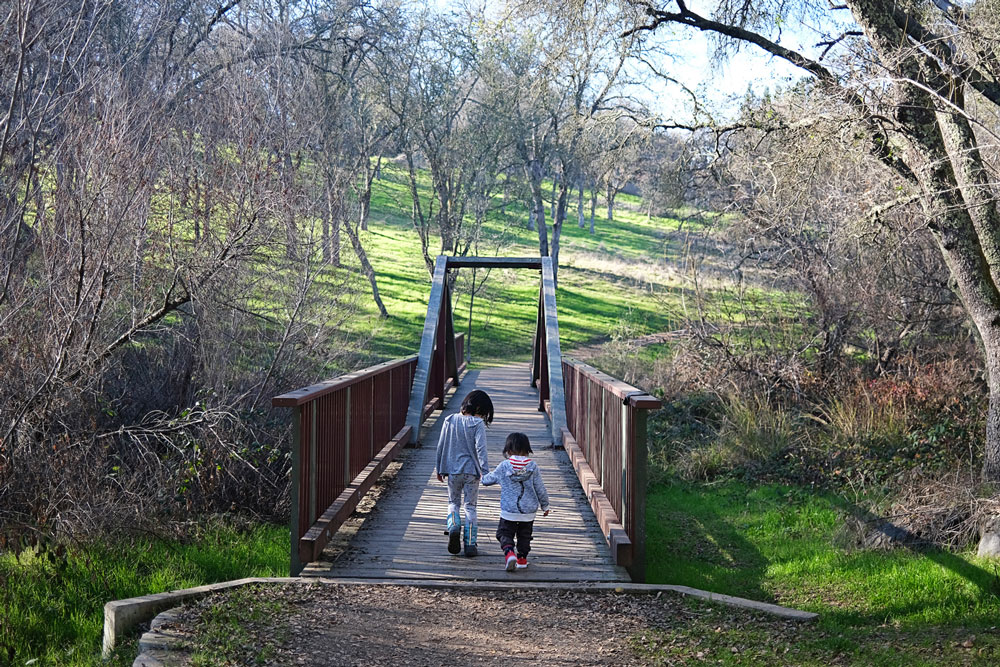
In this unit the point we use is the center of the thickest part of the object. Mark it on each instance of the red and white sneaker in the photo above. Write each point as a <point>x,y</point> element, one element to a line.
<point>522,562</point>
<point>510,561</point>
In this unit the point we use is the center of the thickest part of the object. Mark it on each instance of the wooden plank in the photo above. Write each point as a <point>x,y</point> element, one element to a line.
<point>633,396</point>
<point>611,527</point>
<point>418,394</point>
<point>403,538</point>
<point>311,544</point>
<point>640,478</point>
<point>295,565</point>
<point>494,262</point>
<point>556,393</point>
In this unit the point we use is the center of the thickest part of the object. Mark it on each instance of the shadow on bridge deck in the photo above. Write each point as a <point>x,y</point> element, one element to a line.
<point>403,538</point>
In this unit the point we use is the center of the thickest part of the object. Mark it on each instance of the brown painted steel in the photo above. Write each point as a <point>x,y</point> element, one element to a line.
<point>606,426</point>
<point>342,425</point>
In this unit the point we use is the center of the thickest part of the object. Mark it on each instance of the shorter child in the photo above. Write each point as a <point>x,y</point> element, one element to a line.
<point>522,493</point>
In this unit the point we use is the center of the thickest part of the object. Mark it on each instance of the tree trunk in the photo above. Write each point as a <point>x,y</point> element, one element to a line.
<point>538,199</point>
<point>557,225</point>
<point>331,229</point>
<point>593,206</point>
<point>963,214</point>
<point>366,267</point>
<point>579,206</point>
<point>552,200</point>
<point>611,192</point>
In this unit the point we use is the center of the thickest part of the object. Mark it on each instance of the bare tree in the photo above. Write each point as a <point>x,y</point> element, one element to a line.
<point>918,80</point>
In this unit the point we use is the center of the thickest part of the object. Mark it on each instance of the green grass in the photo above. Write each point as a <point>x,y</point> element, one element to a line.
<point>594,293</point>
<point>52,599</point>
<point>787,545</point>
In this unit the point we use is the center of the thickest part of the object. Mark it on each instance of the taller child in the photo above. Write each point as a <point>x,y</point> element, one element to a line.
<point>461,457</point>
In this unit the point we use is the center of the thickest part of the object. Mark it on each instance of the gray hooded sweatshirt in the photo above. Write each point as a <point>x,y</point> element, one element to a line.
<point>462,446</point>
<point>522,492</point>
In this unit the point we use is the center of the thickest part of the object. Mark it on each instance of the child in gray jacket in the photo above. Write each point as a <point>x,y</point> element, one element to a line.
<point>461,457</point>
<point>522,493</point>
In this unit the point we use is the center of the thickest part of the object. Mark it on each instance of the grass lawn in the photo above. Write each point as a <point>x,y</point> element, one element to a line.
<point>787,545</point>
<point>604,278</point>
<point>52,598</point>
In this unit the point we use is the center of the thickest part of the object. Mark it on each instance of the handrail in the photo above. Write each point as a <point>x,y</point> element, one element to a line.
<point>557,400</point>
<point>606,442</point>
<point>437,365</point>
<point>634,397</point>
<point>314,391</point>
<point>345,431</point>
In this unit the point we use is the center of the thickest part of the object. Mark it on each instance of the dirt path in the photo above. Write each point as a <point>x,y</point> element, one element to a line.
<point>324,624</point>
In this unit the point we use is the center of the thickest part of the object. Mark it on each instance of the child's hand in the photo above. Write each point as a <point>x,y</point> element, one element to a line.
<point>440,478</point>
<point>546,512</point>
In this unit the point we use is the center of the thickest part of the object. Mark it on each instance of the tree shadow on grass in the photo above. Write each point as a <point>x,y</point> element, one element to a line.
<point>987,582</point>
<point>689,542</point>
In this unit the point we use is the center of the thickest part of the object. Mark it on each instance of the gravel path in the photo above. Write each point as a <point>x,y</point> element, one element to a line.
<point>394,625</point>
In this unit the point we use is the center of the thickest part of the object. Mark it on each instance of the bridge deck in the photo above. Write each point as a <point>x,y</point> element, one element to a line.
<point>403,539</point>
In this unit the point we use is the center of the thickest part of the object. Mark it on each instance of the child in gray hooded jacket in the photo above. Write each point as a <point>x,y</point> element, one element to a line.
<point>461,457</point>
<point>522,493</point>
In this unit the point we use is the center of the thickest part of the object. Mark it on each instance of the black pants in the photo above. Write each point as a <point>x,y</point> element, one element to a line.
<point>508,530</point>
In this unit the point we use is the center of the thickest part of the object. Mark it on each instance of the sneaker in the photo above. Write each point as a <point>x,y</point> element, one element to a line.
<point>454,533</point>
<point>522,562</point>
<point>511,561</point>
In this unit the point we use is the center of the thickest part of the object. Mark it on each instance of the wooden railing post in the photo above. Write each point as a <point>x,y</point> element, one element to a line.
<point>295,565</point>
<point>347,439</point>
<point>640,476</point>
<point>313,462</point>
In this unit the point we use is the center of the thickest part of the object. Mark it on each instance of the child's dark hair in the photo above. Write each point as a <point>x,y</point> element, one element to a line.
<point>517,444</point>
<point>478,403</point>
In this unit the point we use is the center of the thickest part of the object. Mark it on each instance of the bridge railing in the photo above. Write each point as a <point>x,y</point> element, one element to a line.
<point>345,432</point>
<point>605,438</point>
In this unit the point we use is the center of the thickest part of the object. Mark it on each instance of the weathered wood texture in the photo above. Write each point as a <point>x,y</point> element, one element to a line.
<point>495,262</point>
<point>403,538</point>
<point>606,439</point>
<point>546,358</point>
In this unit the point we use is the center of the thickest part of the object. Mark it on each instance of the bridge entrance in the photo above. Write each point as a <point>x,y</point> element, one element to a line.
<point>347,430</point>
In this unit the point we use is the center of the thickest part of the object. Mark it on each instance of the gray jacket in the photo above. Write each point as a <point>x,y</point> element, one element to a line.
<point>522,492</point>
<point>462,446</point>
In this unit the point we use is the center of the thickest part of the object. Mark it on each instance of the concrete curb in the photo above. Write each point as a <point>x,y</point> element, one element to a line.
<point>163,645</point>
<point>121,616</point>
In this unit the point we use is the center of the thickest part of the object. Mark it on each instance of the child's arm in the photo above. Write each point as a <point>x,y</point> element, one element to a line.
<point>543,495</point>
<point>484,464</point>
<point>491,478</point>
<point>441,446</point>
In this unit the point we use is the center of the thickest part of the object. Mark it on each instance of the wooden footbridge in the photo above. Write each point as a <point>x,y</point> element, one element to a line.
<point>588,431</point>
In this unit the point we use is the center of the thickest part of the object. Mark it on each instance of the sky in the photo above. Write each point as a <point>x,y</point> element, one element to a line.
<point>723,85</point>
